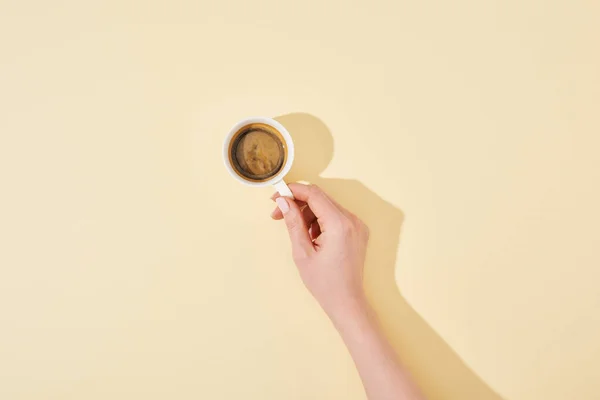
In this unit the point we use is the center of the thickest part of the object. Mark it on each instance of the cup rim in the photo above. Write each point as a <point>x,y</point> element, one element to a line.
<point>288,142</point>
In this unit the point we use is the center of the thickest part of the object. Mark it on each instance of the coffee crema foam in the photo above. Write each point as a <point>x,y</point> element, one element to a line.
<point>257,153</point>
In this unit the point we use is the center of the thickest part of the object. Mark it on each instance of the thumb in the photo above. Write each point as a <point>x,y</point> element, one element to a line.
<point>301,243</point>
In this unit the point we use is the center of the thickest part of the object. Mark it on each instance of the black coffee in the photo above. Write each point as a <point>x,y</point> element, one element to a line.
<point>258,152</point>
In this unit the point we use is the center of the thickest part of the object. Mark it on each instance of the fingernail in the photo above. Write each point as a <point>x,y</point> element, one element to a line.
<point>283,205</point>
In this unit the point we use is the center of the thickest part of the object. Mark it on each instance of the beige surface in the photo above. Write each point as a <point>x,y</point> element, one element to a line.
<point>133,266</point>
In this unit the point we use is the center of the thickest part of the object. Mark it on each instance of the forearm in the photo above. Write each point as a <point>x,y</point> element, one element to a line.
<point>383,376</point>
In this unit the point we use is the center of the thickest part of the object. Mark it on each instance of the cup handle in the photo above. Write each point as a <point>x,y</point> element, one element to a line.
<point>283,189</point>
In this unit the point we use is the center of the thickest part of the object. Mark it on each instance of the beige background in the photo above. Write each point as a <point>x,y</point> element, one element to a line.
<point>133,266</point>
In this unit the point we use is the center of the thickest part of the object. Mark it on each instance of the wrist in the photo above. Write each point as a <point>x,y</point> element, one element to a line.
<point>350,309</point>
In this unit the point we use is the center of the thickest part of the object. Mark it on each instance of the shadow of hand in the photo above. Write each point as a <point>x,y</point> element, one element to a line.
<point>438,370</point>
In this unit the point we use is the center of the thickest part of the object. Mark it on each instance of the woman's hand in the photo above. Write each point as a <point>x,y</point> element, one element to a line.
<point>328,246</point>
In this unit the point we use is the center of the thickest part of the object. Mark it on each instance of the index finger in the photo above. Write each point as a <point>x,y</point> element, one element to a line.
<point>318,201</point>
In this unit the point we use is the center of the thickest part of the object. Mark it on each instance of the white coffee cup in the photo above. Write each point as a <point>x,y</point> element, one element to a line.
<point>276,180</point>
